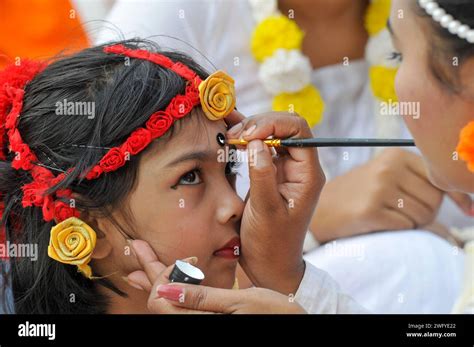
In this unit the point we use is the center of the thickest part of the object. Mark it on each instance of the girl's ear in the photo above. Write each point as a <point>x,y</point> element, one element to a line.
<point>103,246</point>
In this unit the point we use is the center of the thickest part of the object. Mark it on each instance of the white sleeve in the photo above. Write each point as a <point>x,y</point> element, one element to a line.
<point>319,293</point>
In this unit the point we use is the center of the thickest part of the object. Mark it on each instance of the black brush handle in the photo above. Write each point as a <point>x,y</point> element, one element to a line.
<point>329,142</point>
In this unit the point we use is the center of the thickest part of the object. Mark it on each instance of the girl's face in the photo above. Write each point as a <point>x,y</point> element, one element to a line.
<point>442,113</point>
<point>185,204</point>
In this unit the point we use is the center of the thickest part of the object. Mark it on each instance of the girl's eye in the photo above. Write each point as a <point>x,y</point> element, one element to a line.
<point>191,177</point>
<point>395,56</point>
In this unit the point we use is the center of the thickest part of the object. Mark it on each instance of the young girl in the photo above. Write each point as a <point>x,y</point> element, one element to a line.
<point>90,114</point>
<point>123,142</point>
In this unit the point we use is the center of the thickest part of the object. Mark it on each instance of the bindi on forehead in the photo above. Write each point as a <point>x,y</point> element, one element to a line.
<point>220,139</point>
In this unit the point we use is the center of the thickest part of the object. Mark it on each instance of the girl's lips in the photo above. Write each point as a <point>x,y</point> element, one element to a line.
<point>231,249</point>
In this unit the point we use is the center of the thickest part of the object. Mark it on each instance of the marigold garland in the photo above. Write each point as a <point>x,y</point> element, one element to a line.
<point>276,43</point>
<point>305,102</point>
<point>273,33</point>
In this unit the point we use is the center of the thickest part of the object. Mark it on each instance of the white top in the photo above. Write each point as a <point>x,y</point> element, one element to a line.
<point>319,293</point>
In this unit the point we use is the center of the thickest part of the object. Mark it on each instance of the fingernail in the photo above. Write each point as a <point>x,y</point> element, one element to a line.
<point>250,130</point>
<point>191,260</point>
<point>235,129</point>
<point>133,284</point>
<point>170,292</point>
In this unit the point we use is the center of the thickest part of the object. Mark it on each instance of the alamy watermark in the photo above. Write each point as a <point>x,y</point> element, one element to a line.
<point>28,329</point>
<point>75,108</point>
<point>19,250</point>
<point>350,250</point>
<point>232,155</point>
<point>400,108</point>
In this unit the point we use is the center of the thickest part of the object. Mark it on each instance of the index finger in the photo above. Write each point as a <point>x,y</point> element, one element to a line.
<point>276,124</point>
<point>233,118</point>
<point>148,260</point>
<point>281,125</point>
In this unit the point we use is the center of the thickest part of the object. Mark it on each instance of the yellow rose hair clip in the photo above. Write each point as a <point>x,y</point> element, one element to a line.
<point>217,95</point>
<point>72,242</point>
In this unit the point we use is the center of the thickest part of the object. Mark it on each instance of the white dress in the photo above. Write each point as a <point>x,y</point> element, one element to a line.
<point>401,272</point>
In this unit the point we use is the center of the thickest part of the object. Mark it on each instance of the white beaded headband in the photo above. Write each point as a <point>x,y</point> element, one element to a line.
<point>447,21</point>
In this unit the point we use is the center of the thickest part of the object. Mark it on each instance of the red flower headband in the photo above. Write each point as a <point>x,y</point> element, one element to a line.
<point>215,94</point>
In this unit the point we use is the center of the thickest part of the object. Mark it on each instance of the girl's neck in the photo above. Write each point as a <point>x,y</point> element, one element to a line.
<point>334,29</point>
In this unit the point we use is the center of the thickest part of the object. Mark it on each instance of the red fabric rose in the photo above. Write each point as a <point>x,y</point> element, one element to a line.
<point>114,159</point>
<point>94,173</point>
<point>138,140</point>
<point>180,106</point>
<point>193,94</point>
<point>17,103</point>
<point>48,208</point>
<point>64,193</point>
<point>14,138</point>
<point>41,174</point>
<point>33,194</point>
<point>2,141</point>
<point>24,158</point>
<point>63,211</point>
<point>159,123</point>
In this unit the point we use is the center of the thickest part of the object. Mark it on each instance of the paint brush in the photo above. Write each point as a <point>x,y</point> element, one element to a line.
<point>329,142</point>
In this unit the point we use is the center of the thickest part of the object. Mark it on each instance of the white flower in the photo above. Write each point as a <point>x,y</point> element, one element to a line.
<point>287,71</point>
<point>262,9</point>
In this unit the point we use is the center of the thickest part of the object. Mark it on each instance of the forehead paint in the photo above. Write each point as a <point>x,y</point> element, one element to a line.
<point>220,139</point>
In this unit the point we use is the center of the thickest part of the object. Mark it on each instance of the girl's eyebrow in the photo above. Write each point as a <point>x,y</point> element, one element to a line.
<point>200,155</point>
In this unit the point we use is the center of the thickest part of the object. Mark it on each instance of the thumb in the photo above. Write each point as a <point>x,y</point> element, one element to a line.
<point>263,179</point>
<point>464,202</point>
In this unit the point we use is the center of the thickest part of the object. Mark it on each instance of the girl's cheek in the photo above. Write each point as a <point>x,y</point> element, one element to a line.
<point>406,92</point>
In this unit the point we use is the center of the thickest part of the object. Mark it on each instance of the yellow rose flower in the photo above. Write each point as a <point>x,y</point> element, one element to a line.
<point>377,16</point>
<point>382,81</point>
<point>217,94</point>
<point>72,242</point>
<point>308,103</point>
<point>274,33</point>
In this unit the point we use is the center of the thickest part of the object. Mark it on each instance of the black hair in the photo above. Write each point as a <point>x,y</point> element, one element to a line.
<point>125,93</point>
<point>448,52</point>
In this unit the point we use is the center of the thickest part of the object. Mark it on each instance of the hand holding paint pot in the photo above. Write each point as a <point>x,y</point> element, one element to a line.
<point>178,298</point>
<point>201,299</point>
<point>284,190</point>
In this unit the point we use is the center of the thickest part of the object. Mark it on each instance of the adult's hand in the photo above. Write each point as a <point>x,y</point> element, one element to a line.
<point>283,194</point>
<point>179,298</point>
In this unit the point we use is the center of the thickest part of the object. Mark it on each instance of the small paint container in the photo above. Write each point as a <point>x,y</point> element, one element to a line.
<point>186,273</point>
